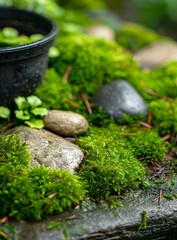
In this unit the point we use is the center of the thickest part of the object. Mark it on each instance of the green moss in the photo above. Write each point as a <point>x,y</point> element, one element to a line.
<point>164,115</point>
<point>143,224</point>
<point>57,91</point>
<point>33,192</point>
<point>161,81</point>
<point>14,156</point>
<point>39,192</point>
<point>147,145</point>
<point>82,4</point>
<point>110,167</point>
<point>94,61</point>
<point>134,36</point>
<point>168,196</point>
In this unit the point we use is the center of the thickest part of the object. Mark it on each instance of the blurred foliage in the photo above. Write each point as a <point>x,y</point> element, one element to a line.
<point>82,4</point>
<point>134,36</point>
<point>160,82</point>
<point>154,13</point>
<point>47,7</point>
<point>164,115</point>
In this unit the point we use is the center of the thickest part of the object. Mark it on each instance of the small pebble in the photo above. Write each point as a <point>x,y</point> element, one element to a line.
<point>66,123</point>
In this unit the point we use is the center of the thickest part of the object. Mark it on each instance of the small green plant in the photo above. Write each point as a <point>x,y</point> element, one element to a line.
<point>143,224</point>
<point>30,111</point>
<point>10,37</point>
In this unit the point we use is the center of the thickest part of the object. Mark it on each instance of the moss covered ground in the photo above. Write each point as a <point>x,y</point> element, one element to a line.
<point>118,154</point>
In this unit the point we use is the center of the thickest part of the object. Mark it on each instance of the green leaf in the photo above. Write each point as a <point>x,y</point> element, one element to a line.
<point>53,52</point>
<point>10,32</point>
<point>40,111</point>
<point>35,123</point>
<point>10,41</point>
<point>34,101</point>
<point>21,102</point>
<point>21,115</point>
<point>4,112</point>
<point>36,37</point>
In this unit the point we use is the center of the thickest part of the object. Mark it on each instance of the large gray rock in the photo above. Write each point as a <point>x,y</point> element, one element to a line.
<point>118,98</point>
<point>65,123</point>
<point>157,54</point>
<point>49,149</point>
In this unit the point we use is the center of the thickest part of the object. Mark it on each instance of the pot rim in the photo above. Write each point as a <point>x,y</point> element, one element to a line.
<point>46,39</point>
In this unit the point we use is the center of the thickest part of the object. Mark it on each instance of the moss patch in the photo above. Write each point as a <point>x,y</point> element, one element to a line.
<point>109,167</point>
<point>33,192</point>
<point>147,145</point>
<point>94,61</point>
<point>164,115</point>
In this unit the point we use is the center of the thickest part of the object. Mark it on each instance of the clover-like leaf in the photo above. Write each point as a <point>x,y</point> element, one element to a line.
<point>4,112</point>
<point>36,37</point>
<point>20,114</point>
<point>35,123</point>
<point>34,101</point>
<point>39,111</point>
<point>10,32</point>
<point>21,102</point>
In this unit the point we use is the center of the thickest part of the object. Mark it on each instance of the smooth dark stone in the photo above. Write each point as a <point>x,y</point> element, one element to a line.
<point>118,98</point>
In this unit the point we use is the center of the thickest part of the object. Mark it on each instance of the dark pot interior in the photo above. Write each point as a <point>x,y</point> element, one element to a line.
<point>22,67</point>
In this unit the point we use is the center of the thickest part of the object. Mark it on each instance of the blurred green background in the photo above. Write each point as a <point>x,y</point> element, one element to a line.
<point>159,15</point>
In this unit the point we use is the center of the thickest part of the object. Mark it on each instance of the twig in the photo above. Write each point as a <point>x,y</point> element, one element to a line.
<point>168,136</point>
<point>67,74</point>
<point>160,197</point>
<point>127,134</point>
<point>52,195</point>
<point>144,124</point>
<point>4,219</point>
<point>4,235</point>
<point>149,118</point>
<point>73,104</point>
<point>150,91</point>
<point>87,104</point>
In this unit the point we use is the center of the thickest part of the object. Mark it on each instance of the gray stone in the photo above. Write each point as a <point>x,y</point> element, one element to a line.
<point>118,98</point>
<point>157,54</point>
<point>100,30</point>
<point>65,123</point>
<point>49,149</point>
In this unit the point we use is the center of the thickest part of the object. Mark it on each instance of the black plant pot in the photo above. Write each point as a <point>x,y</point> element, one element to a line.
<point>22,67</point>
